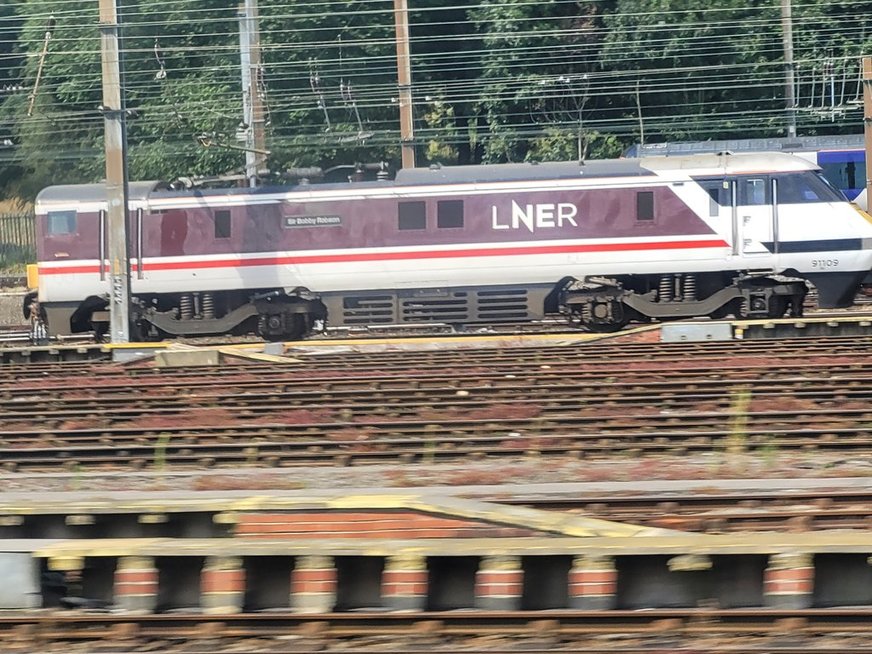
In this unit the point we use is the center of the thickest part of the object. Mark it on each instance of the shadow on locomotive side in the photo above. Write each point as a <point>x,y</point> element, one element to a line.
<point>602,243</point>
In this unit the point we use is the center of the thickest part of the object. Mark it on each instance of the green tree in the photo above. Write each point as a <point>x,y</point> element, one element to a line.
<point>63,139</point>
<point>10,63</point>
<point>447,65</point>
<point>528,81</point>
<point>695,60</point>
<point>499,80</point>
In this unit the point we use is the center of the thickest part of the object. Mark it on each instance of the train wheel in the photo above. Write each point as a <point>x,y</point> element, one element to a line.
<point>277,327</point>
<point>604,317</point>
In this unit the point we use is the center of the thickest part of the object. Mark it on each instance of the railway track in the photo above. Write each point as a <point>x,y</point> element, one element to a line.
<point>12,336</point>
<point>13,281</point>
<point>773,631</point>
<point>444,405</point>
<point>715,512</point>
<point>602,353</point>
<point>15,335</point>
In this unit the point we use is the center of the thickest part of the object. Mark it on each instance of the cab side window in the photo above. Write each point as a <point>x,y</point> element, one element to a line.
<point>753,191</point>
<point>61,222</point>
<point>719,195</point>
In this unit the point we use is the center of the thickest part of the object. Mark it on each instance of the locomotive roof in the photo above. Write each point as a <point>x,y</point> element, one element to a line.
<point>519,172</point>
<point>82,193</point>
<point>729,164</point>
<point>697,165</point>
<point>782,144</point>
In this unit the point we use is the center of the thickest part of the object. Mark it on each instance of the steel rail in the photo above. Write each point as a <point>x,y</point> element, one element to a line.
<point>563,423</point>
<point>207,447</point>
<point>297,378</point>
<point>651,357</point>
<point>796,622</point>
<point>721,512</point>
<point>589,352</point>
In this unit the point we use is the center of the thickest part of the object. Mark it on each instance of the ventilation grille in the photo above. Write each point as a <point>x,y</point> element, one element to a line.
<point>368,309</point>
<point>438,305</point>
<point>502,305</point>
<point>435,306</point>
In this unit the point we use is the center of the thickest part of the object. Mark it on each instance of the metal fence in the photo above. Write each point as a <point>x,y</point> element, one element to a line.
<point>17,239</point>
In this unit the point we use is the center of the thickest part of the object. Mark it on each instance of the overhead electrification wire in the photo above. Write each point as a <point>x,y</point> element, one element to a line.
<point>673,87</point>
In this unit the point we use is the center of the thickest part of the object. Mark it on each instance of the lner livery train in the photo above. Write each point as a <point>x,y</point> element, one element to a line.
<point>602,242</point>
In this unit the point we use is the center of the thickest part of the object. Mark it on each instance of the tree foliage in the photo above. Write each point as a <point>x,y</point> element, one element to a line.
<point>499,80</point>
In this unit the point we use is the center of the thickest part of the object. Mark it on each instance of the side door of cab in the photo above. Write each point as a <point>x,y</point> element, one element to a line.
<point>721,213</point>
<point>755,217</point>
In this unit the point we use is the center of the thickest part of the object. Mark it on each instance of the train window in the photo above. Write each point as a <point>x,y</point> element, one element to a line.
<point>222,224</point>
<point>450,214</point>
<point>718,192</point>
<point>412,215</point>
<point>842,174</point>
<point>752,191</point>
<point>645,205</point>
<point>805,187</point>
<point>845,170</point>
<point>837,194</point>
<point>61,222</point>
<point>714,205</point>
<point>851,175</point>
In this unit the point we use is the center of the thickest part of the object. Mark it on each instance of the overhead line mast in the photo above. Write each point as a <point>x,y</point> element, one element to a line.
<point>789,70</point>
<point>113,222</point>
<point>252,100</point>
<point>404,83</point>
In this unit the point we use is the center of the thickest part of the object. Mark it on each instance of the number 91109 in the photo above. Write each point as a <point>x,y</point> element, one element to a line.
<point>821,264</point>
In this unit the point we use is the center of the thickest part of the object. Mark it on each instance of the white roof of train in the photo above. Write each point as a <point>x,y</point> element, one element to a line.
<point>696,164</point>
<point>735,164</point>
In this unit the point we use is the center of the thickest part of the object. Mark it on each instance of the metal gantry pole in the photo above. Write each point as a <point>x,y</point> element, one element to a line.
<point>258,115</point>
<point>789,89</point>
<point>245,64</point>
<point>255,120</point>
<point>116,174</point>
<point>404,82</point>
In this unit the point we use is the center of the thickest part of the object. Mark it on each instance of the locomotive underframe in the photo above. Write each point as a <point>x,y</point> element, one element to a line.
<point>273,314</point>
<point>606,304</point>
<point>599,304</point>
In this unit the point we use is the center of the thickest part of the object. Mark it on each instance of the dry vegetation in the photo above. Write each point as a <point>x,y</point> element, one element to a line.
<point>15,205</point>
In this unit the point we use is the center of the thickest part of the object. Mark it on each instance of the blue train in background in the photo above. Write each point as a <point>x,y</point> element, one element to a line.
<point>841,158</point>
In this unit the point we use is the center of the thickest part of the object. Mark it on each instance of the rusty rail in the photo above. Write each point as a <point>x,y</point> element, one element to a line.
<point>798,623</point>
